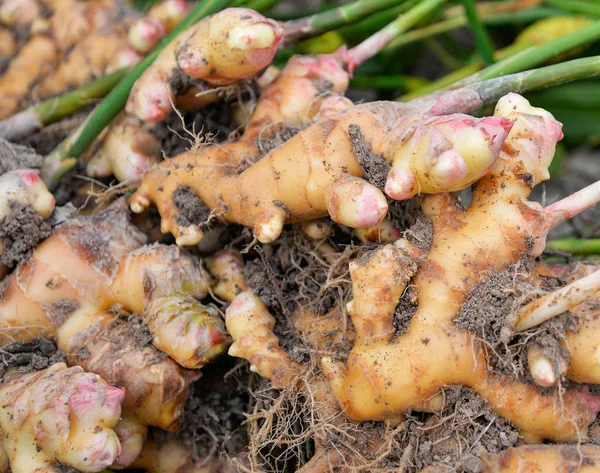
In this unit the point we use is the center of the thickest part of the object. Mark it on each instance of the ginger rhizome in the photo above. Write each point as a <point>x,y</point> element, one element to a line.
<point>72,42</point>
<point>387,373</point>
<point>229,46</point>
<point>320,171</point>
<point>65,291</point>
<point>57,415</point>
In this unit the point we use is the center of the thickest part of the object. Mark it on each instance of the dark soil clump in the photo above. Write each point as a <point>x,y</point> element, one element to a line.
<point>27,357</point>
<point>20,232</point>
<point>192,210</point>
<point>375,167</point>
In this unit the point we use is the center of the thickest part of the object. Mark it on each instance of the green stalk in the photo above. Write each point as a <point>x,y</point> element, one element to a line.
<point>537,55</point>
<point>363,29</point>
<point>258,5</point>
<point>483,41</point>
<point>575,246</point>
<point>374,44</point>
<point>50,111</point>
<point>474,96</point>
<point>64,157</point>
<point>296,30</point>
<point>387,82</point>
<point>525,16</point>
<point>575,6</point>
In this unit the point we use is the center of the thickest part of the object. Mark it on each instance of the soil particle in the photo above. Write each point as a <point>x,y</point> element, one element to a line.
<point>20,232</point>
<point>13,157</point>
<point>214,412</point>
<point>192,210</point>
<point>27,357</point>
<point>489,314</point>
<point>456,435</point>
<point>402,213</point>
<point>421,234</point>
<point>403,314</point>
<point>60,311</point>
<point>267,143</point>
<point>139,329</point>
<point>62,468</point>
<point>213,121</point>
<point>375,167</point>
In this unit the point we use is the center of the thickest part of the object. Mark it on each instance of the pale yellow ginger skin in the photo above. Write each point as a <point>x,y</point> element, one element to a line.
<point>132,437</point>
<point>127,149</point>
<point>172,456</point>
<point>59,414</point>
<point>66,287</point>
<point>227,267</point>
<point>228,46</point>
<point>317,172</point>
<point>497,225</point>
<point>25,187</point>
<point>382,378</point>
<point>202,170</point>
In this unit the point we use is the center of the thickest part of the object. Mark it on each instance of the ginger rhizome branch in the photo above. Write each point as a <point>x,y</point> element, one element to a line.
<point>387,373</point>
<point>319,171</point>
<point>57,415</point>
<point>67,286</point>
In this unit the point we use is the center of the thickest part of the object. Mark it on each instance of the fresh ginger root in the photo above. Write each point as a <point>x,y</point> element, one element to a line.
<point>387,373</point>
<point>65,289</point>
<point>274,111</point>
<point>228,46</point>
<point>80,41</point>
<point>61,415</point>
<point>126,150</point>
<point>319,171</point>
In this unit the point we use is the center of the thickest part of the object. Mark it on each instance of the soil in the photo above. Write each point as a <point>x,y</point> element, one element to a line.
<point>20,232</point>
<point>27,357</point>
<point>376,168</point>
<point>192,210</point>
<point>13,157</point>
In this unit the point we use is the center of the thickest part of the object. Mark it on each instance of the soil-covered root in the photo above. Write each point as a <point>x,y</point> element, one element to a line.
<point>226,47</point>
<point>398,149</point>
<point>59,415</point>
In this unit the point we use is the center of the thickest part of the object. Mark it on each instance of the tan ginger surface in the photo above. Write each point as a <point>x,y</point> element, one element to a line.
<point>55,415</point>
<point>387,373</point>
<point>318,172</point>
<point>66,288</point>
